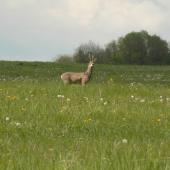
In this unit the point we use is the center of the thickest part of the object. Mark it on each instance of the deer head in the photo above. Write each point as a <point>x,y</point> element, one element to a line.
<point>92,61</point>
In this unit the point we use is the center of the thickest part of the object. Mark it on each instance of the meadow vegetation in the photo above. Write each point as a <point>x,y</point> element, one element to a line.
<point>119,120</point>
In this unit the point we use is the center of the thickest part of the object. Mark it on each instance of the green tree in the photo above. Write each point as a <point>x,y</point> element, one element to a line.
<point>82,52</point>
<point>110,52</point>
<point>157,50</point>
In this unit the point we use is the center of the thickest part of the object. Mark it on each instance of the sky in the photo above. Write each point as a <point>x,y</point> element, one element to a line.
<point>40,30</point>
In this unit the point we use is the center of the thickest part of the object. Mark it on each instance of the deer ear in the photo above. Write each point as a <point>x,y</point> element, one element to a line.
<point>95,60</point>
<point>89,57</point>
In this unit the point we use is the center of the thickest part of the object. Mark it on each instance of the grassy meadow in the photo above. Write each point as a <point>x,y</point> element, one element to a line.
<point>120,120</point>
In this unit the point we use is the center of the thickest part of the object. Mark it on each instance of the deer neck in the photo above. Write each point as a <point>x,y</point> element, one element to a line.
<point>89,71</point>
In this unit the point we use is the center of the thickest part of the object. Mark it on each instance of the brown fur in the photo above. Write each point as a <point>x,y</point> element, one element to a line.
<point>80,78</point>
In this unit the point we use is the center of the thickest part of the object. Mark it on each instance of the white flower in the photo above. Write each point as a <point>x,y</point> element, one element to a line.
<point>26,99</point>
<point>160,96</point>
<point>60,95</point>
<point>132,96</point>
<point>167,99</point>
<point>7,118</point>
<point>68,99</point>
<point>161,100</point>
<point>17,124</point>
<point>105,103</point>
<point>124,141</point>
<point>101,99</point>
<point>143,100</point>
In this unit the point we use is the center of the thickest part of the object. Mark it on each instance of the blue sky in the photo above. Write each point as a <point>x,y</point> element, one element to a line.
<point>39,30</point>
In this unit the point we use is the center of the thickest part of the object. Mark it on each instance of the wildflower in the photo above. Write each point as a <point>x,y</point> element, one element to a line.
<point>1,89</point>
<point>50,129</point>
<point>14,97</point>
<point>26,99</point>
<point>143,100</point>
<point>9,97</point>
<point>124,141</point>
<point>9,160</point>
<point>85,120</point>
<point>68,99</point>
<point>160,96</point>
<point>111,81</point>
<point>161,100</point>
<point>32,95</point>
<point>75,97</point>
<point>159,120</point>
<point>105,103</point>
<point>17,124</point>
<point>23,109</point>
<point>51,149</point>
<point>70,122</point>
<point>101,99</point>
<point>167,99</point>
<point>124,119</point>
<point>63,107</point>
<point>60,96</point>
<point>132,96</point>
<point>89,119</point>
<point>7,118</point>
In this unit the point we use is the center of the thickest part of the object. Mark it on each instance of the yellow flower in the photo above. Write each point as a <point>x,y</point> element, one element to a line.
<point>14,97</point>
<point>63,107</point>
<point>9,160</point>
<point>89,119</point>
<point>50,129</point>
<point>85,120</point>
<point>32,95</point>
<point>1,89</point>
<point>51,149</point>
<point>9,96</point>
<point>75,97</point>
<point>159,120</point>
<point>23,109</point>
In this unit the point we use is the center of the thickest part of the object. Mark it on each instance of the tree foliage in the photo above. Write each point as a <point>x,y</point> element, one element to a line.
<point>138,48</point>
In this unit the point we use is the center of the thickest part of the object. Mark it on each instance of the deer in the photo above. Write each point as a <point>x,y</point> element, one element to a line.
<point>79,78</point>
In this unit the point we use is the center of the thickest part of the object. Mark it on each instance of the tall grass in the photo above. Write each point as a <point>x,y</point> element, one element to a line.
<point>120,120</point>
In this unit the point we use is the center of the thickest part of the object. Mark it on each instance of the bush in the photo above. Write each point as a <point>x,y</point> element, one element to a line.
<point>64,59</point>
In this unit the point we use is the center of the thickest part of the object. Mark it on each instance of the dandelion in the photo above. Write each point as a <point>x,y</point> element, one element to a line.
<point>9,97</point>
<point>32,95</point>
<point>50,129</point>
<point>51,149</point>
<point>85,120</point>
<point>105,103</point>
<point>75,97</point>
<point>111,81</point>
<point>60,96</point>
<point>124,119</point>
<point>7,118</point>
<point>63,107</point>
<point>17,124</point>
<point>89,119</point>
<point>124,141</point>
<point>23,109</point>
<point>9,160</point>
<point>14,97</point>
<point>143,100</point>
<point>159,120</point>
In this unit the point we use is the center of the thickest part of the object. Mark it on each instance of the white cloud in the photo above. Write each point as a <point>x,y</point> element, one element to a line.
<point>47,28</point>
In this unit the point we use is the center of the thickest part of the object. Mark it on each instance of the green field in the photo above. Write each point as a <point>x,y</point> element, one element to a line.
<point>120,120</point>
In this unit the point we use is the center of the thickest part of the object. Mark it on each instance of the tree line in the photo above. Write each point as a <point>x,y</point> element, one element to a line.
<point>138,48</point>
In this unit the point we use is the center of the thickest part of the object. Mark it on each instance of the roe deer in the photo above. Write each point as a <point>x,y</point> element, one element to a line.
<point>81,78</point>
